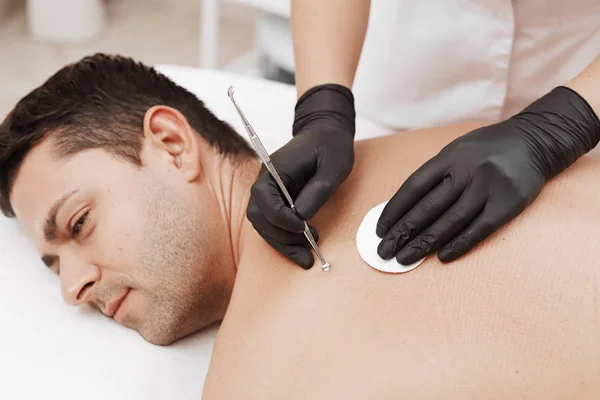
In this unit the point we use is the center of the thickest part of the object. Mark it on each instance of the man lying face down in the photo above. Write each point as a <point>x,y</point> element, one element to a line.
<point>136,196</point>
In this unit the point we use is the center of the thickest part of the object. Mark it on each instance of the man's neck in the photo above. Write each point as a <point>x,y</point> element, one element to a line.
<point>231,182</point>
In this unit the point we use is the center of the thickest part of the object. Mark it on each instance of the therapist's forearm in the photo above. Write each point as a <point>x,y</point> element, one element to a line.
<point>587,84</point>
<point>328,37</point>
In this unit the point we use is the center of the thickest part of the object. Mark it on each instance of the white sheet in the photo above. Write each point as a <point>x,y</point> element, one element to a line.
<point>49,350</point>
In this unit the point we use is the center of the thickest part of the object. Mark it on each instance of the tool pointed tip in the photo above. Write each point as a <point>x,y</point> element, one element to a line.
<point>230,91</point>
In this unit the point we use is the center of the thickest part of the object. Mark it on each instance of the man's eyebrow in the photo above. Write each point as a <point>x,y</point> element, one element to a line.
<point>50,226</point>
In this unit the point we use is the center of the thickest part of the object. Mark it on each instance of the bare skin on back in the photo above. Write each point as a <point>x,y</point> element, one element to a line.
<point>518,317</point>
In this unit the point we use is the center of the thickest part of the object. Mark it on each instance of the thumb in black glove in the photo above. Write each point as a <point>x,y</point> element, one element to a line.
<point>485,178</point>
<point>311,165</point>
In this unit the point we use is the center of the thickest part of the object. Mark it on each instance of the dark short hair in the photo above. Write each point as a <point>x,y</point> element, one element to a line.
<point>100,102</point>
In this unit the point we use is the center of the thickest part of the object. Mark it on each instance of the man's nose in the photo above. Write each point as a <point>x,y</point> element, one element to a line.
<point>77,280</point>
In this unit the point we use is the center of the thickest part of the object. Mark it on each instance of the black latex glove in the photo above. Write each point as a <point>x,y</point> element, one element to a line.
<point>311,165</point>
<point>485,178</point>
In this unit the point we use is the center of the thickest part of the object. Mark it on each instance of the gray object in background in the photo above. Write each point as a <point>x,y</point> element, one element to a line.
<point>275,48</point>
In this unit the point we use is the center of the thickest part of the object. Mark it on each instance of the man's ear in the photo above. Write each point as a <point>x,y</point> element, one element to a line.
<point>168,131</point>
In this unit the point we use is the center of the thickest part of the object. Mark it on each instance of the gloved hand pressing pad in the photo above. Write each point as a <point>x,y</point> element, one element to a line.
<point>367,242</point>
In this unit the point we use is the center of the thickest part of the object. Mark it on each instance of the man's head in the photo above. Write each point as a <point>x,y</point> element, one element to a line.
<point>105,166</point>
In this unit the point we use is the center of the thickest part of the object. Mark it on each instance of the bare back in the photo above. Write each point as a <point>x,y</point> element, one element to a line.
<point>518,317</point>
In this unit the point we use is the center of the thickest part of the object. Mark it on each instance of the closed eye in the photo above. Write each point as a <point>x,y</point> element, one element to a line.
<point>78,226</point>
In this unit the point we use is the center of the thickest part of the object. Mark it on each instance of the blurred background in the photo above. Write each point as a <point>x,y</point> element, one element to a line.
<point>38,37</point>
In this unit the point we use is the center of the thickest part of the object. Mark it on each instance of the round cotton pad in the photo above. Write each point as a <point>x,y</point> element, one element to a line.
<point>367,242</point>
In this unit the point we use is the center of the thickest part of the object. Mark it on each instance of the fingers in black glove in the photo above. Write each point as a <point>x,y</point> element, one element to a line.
<point>269,230</point>
<point>412,190</point>
<point>451,223</point>
<point>433,204</point>
<point>502,168</point>
<point>319,188</point>
<point>311,166</point>
<point>299,254</point>
<point>497,210</point>
<point>291,245</point>
<point>267,207</point>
